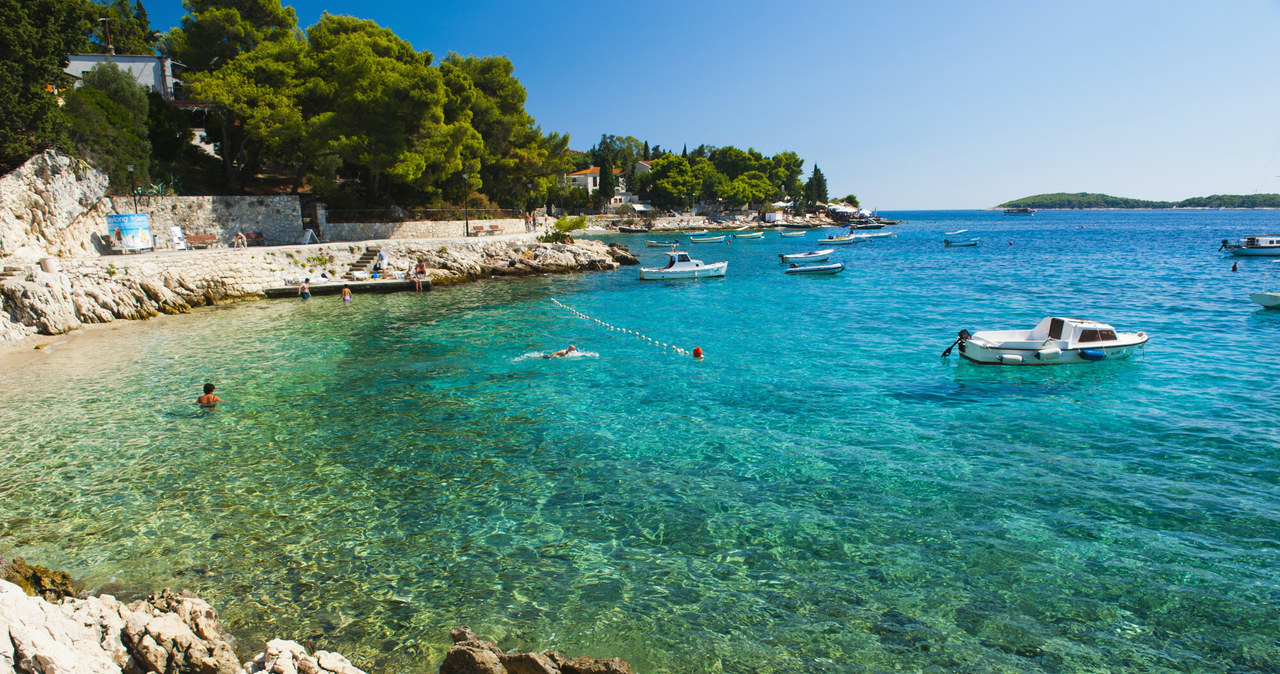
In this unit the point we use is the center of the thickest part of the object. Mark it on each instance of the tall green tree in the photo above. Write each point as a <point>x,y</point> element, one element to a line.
<point>752,187</point>
<point>108,116</point>
<point>711,183</point>
<point>216,31</point>
<point>37,36</point>
<point>518,159</point>
<point>259,92</point>
<point>670,183</point>
<point>785,171</point>
<point>604,193</point>
<point>815,189</point>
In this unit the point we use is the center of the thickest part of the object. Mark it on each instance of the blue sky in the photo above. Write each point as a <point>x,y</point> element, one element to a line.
<point>907,104</point>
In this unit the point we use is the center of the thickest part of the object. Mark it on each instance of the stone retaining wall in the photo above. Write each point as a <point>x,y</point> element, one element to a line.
<point>278,218</point>
<point>416,229</point>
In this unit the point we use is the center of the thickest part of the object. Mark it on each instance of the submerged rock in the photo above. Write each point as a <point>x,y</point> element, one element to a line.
<point>472,655</point>
<point>36,581</point>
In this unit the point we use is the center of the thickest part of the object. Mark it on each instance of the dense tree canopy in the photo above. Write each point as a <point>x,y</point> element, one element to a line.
<point>126,22</point>
<point>108,115</point>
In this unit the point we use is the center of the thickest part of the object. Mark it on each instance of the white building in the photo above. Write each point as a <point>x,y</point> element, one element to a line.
<point>152,72</point>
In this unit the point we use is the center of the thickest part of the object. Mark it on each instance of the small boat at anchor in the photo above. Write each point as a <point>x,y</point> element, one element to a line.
<point>811,256</point>
<point>815,269</point>
<point>702,233</point>
<point>752,235</point>
<point>627,229</point>
<point>948,243</point>
<point>1020,210</point>
<point>843,240</point>
<point>1265,299</point>
<point>1054,341</point>
<point>706,239</point>
<point>791,235</point>
<point>680,265</point>
<point>1257,245</point>
<point>660,244</point>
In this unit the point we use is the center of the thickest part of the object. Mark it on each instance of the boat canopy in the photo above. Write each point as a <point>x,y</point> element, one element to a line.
<point>1073,330</point>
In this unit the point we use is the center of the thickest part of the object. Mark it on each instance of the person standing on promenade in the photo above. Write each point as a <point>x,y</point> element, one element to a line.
<point>208,400</point>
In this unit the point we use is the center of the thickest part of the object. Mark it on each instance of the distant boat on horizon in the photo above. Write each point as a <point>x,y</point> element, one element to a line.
<point>1020,210</point>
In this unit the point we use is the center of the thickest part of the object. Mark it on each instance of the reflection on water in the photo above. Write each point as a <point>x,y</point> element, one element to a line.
<point>820,493</point>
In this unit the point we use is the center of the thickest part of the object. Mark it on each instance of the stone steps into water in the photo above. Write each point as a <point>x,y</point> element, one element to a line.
<point>362,263</point>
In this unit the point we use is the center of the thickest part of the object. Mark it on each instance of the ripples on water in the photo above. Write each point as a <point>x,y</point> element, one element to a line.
<point>821,493</point>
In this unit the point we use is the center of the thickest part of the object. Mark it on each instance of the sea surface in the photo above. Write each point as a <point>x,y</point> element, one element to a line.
<point>823,492</point>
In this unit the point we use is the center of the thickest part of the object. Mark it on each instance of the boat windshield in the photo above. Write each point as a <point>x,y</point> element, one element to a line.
<point>1097,336</point>
<point>1055,328</point>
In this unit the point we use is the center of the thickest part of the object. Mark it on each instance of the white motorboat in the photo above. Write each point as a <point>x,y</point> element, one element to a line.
<point>1053,341</point>
<point>1257,245</point>
<point>948,243</point>
<point>816,269</point>
<point>791,235</point>
<point>752,235</point>
<point>707,239</point>
<point>702,233</point>
<point>680,265</point>
<point>661,244</point>
<point>811,256</point>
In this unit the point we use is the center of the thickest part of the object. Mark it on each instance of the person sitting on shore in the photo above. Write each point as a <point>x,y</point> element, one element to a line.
<point>241,241</point>
<point>419,273</point>
<point>208,399</point>
<point>563,352</point>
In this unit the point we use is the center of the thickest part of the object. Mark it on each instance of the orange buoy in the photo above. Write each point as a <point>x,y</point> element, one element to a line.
<point>697,352</point>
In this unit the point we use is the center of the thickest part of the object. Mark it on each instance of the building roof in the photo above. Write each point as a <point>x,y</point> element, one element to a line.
<point>592,171</point>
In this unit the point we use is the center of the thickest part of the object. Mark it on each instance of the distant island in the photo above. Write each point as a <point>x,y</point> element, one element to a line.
<point>1083,200</point>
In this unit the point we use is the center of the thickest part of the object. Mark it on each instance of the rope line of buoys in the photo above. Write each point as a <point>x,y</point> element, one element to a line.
<point>696,351</point>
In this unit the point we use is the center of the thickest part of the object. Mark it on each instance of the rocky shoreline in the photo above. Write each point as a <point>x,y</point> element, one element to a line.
<point>46,629</point>
<point>86,291</point>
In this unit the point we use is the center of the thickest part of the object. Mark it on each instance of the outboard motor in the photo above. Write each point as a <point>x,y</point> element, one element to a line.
<point>961,338</point>
<point>1224,244</point>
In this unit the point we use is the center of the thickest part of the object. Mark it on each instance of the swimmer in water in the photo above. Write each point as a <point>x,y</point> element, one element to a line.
<point>562,352</point>
<point>208,399</point>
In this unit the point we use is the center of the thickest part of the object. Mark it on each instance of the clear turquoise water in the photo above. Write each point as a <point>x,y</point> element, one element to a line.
<point>821,493</point>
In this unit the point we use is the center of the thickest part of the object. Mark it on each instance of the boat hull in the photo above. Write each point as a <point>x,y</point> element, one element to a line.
<point>1256,251</point>
<point>844,241</point>
<point>714,239</point>
<point>959,244</point>
<point>817,270</point>
<point>791,235</point>
<point>753,235</point>
<point>814,256</point>
<point>983,354</point>
<point>661,244</point>
<point>705,271</point>
<point>1267,300</point>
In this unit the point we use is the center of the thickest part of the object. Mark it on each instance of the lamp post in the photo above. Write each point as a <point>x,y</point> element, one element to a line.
<point>106,23</point>
<point>133,190</point>
<point>466,218</point>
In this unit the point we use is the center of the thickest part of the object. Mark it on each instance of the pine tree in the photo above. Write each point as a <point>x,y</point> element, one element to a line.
<point>645,156</point>
<point>605,192</point>
<point>815,190</point>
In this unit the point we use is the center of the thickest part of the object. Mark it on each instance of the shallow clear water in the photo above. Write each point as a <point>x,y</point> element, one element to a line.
<point>821,493</point>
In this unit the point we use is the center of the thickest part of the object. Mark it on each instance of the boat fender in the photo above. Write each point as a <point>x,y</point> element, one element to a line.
<point>1048,353</point>
<point>1012,358</point>
<point>1093,354</point>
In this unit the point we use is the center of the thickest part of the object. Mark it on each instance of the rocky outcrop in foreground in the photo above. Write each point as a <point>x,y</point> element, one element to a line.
<point>472,655</point>
<point>179,633</point>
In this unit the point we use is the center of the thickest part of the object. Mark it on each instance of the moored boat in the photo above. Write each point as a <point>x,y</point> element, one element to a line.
<point>627,229</point>
<point>1256,245</point>
<point>948,243</point>
<point>660,244</point>
<point>1054,340</point>
<point>791,235</point>
<point>815,269</point>
<point>680,265</point>
<point>811,256</point>
<point>702,233</point>
<point>750,235</point>
<point>706,239</point>
<point>1266,300</point>
<point>843,240</point>
<point>1020,210</point>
